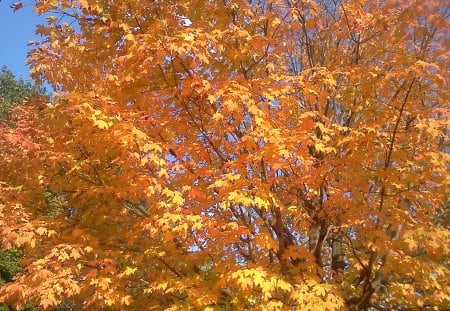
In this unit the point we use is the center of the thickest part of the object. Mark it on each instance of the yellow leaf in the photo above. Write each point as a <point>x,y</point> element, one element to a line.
<point>88,249</point>
<point>104,282</point>
<point>101,124</point>
<point>130,37</point>
<point>41,230</point>
<point>126,300</point>
<point>129,271</point>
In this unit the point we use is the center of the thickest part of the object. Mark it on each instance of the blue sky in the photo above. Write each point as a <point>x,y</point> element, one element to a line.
<point>16,28</point>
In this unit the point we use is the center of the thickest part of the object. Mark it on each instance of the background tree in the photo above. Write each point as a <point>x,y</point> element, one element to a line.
<point>14,91</point>
<point>234,155</point>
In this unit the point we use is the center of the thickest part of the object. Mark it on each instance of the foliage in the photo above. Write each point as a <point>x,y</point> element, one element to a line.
<point>14,91</point>
<point>56,203</point>
<point>233,155</point>
<point>9,264</point>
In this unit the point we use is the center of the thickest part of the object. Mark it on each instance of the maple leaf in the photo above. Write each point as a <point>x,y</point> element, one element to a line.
<point>16,6</point>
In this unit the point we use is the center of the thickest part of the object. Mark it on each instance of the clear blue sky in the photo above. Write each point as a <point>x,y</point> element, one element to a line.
<point>16,28</point>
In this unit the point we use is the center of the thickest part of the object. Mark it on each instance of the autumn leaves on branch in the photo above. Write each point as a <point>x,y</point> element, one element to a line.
<point>231,155</point>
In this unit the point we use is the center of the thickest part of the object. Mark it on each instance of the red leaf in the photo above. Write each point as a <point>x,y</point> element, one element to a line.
<point>16,6</point>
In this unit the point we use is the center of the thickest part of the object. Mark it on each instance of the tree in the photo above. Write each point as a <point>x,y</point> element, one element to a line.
<point>14,91</point>
<point>233,154</point>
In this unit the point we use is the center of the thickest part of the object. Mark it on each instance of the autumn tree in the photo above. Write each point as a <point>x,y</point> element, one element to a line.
<point>13,91</point>
<point>229,155</point>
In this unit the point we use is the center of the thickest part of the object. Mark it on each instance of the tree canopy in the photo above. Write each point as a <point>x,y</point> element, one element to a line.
<point>15,91</point>
<point>232,155</point>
